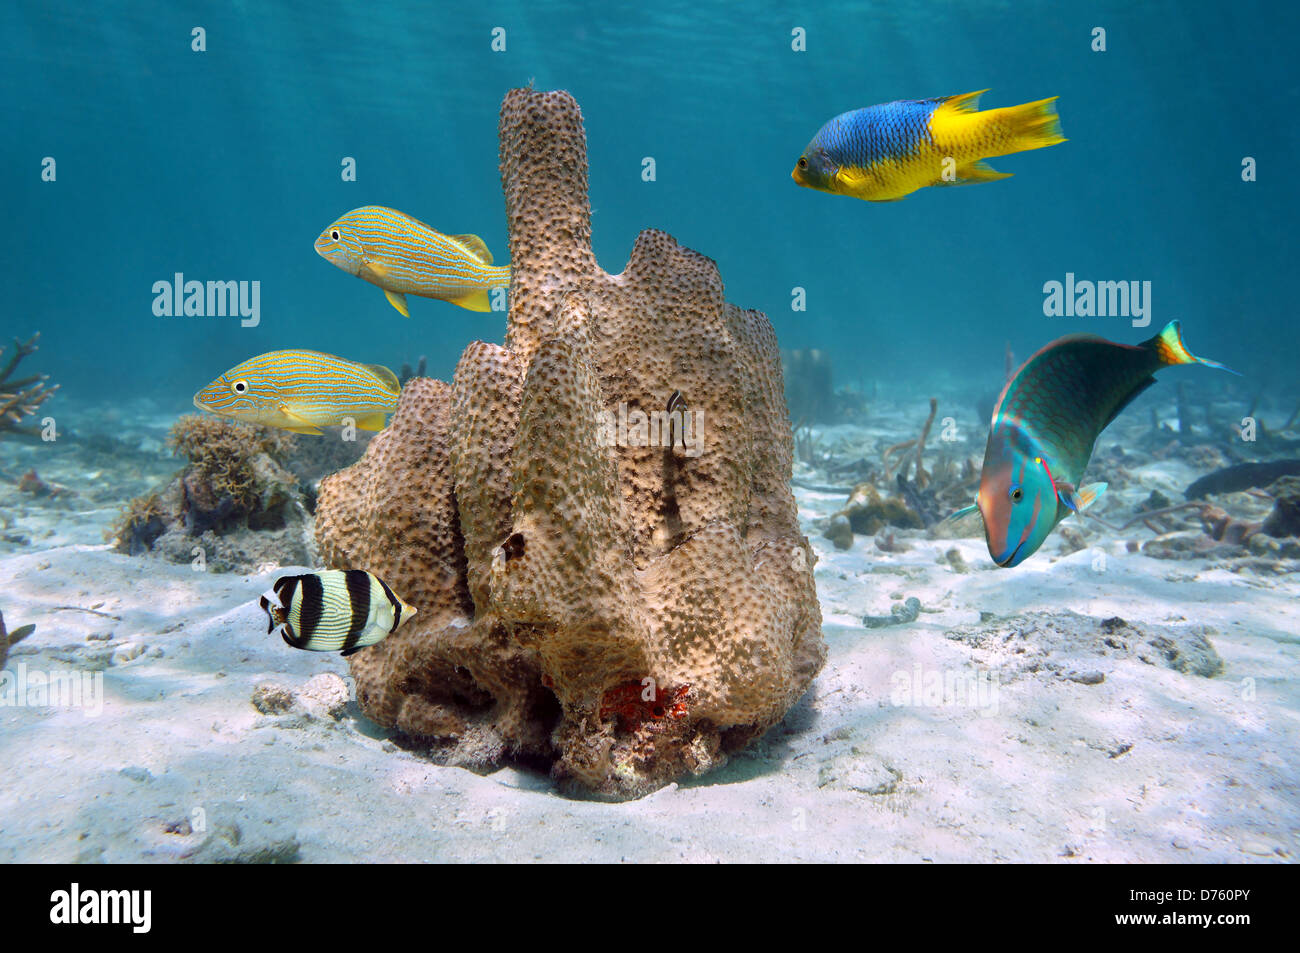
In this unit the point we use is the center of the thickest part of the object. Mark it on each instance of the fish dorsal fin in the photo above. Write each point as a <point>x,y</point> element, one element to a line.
<point>385,375</point>
<point>966,102</point>
<point>475,246</point>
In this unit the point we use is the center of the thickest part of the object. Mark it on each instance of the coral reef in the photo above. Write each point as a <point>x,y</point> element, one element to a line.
<point>234,501</point>
<point>558,557</point>
<point>20,398</point>
<point>406,374</point>
<point>869,512</point>
<point>839,531</point>
<point>1284,520</point>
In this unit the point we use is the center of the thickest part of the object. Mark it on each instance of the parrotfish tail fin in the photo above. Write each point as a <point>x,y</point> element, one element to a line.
<point>385,375</point>
<point>477,301</point>
<point>398,301</point>
<point>1033,125</point>
<point>1170,349</point>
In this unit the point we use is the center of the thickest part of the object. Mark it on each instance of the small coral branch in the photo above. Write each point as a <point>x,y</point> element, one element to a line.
<point>922,478</point>
<point>9,639</point>
<point>20,398</point>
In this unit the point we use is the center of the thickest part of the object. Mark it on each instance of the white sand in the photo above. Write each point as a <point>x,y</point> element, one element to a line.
<point>1150,764</point>
<point>1210,776</point>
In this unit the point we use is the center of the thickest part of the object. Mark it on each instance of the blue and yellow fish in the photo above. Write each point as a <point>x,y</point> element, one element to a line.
<point>402,255</point>
<point>884,153</point>
<point>303,391</point>
<point>1045,426</point>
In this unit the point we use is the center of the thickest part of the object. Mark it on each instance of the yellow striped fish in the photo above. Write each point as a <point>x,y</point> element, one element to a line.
<point>404,256</point>
<point>303,391</point>
<point>333,610</point>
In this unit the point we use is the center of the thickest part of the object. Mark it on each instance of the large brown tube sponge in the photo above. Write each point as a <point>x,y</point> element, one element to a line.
<point>624,614</point>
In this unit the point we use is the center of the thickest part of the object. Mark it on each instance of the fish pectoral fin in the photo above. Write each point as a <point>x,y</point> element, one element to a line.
<point>962,513</point>
<point>398,301</point>
<point>1076,501</point>
<point>1089,495</point>
<point>475,246</point>
<point>851,179</point>
<point>372,422</point>
<point>475,301</point>
<point>375,269</point>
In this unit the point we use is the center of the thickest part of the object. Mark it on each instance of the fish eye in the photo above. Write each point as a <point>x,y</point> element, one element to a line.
<point>1017,494</point>
<point>803,162</point>
<point>335,234</point>
<point>239,387</point>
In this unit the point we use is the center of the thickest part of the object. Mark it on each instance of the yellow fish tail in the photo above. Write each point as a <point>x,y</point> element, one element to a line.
<point>1029,126</point>
<point>958,130</point>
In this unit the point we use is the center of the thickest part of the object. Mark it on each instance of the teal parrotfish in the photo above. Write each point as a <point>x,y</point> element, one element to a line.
<point>402,255</point>
<point>885,153</point>
<point>333,610</point>
<point>1044,428</point>
<point>303,391</point>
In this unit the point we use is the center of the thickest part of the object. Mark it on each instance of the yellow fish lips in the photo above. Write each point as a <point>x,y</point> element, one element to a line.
<point>206,399</point>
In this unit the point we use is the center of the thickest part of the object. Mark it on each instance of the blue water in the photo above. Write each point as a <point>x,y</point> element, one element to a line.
<point>225,165</point>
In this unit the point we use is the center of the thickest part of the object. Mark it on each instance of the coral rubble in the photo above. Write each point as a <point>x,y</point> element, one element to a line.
<point>561,562</point>
<point>234,501</point>
<point>1284,520</point>
<point>20,398</point>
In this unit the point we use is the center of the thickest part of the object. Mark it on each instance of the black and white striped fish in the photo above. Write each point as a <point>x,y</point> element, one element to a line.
<point>333,610</point>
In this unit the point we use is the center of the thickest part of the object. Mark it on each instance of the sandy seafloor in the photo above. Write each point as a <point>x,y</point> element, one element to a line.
<point>1084,754</point>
